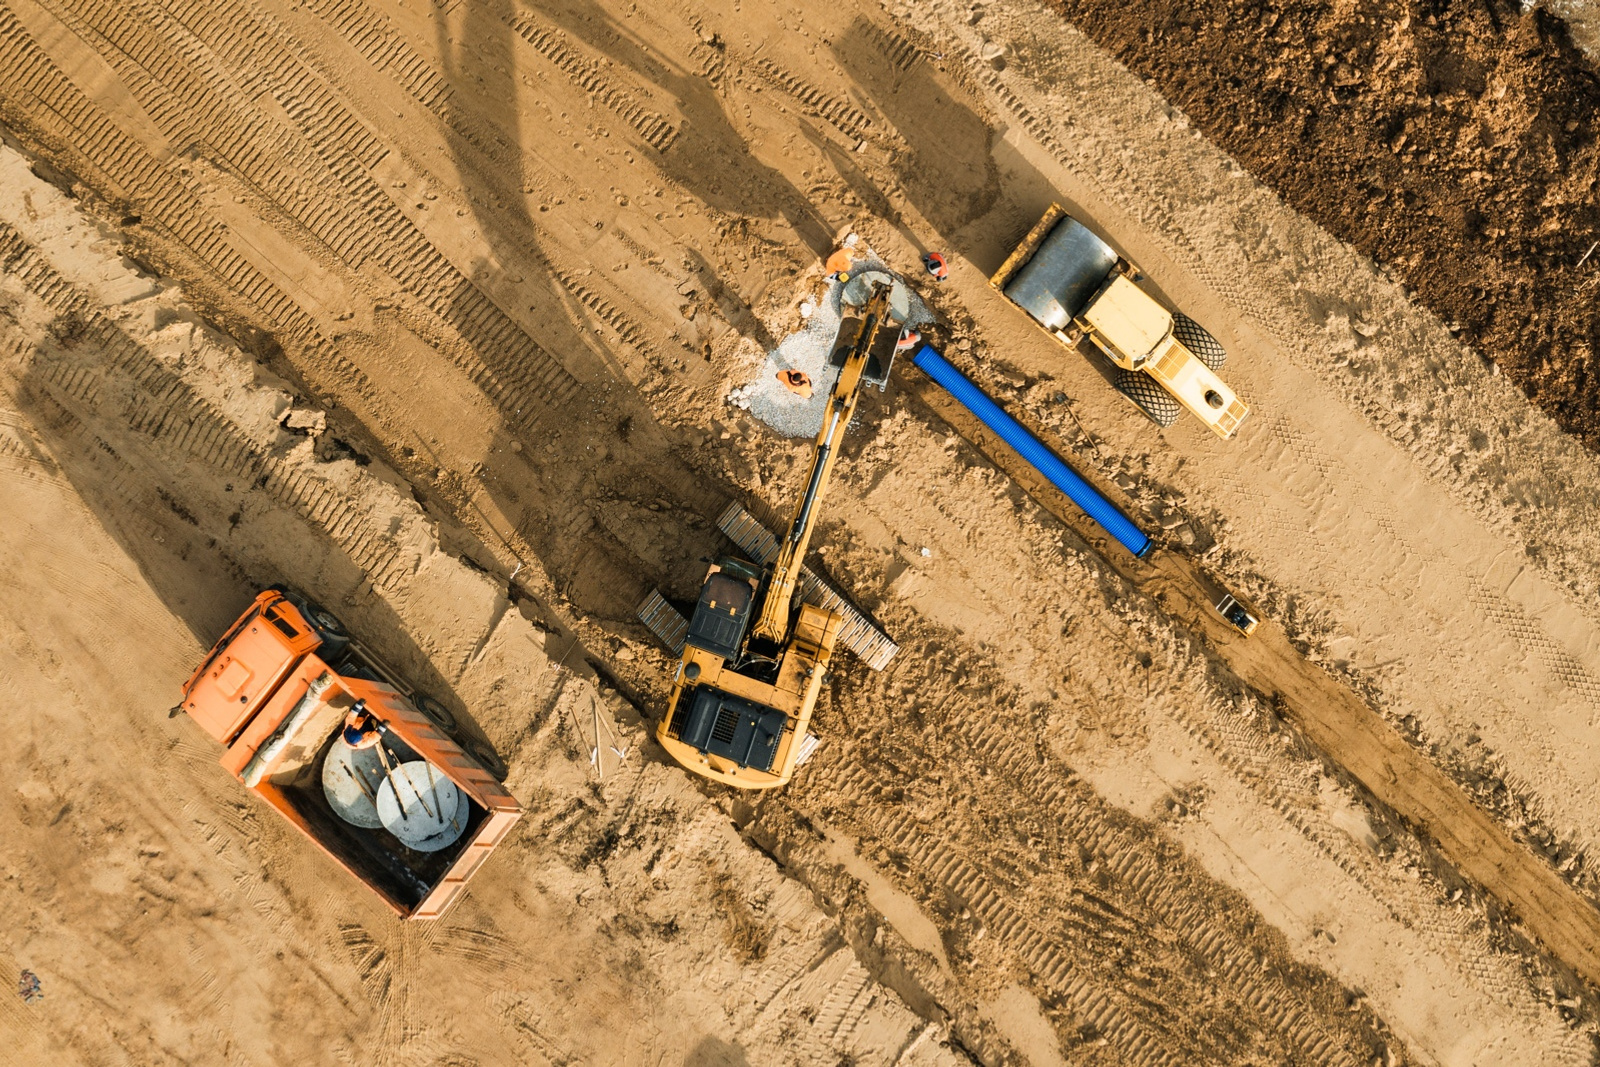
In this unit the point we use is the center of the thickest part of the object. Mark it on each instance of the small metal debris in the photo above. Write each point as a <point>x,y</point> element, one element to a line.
<point>28,987</point>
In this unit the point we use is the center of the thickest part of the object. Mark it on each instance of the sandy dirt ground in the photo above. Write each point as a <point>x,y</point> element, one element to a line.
<point>397,300</point>
<point>170,920</point>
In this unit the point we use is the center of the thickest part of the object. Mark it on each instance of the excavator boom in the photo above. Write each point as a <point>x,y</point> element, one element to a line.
<point>753,660</point>
<point>773,624</point>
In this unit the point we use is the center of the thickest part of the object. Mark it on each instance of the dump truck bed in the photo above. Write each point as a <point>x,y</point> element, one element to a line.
<point>279,747</point>
<point>417,885</point>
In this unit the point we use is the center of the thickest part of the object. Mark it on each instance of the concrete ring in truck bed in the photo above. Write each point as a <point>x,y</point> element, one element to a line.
<point>344,772</point>
<point>428,813</point>
<point>1062,275</point>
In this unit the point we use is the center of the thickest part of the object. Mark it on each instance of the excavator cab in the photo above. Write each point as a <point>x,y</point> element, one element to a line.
<point>722,614</point>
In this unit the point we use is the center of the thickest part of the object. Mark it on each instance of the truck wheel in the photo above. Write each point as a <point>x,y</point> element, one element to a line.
<point>334,636</point>
<point>484,754</point>
<point>328,623</point>
<point>1195,338</point>
<point>442,716</point>
<point>1161,406</point>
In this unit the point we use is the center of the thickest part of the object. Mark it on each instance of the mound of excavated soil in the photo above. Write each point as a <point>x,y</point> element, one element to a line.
<point>1455,142</point>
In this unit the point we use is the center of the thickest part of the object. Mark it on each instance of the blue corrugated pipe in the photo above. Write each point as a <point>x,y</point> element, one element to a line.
<point>1033,450</point>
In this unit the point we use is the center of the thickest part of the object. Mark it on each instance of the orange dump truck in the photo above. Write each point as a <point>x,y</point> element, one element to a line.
<point>412,815</point>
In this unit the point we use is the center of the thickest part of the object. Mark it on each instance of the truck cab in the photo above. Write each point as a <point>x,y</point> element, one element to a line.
<point>275,691</point>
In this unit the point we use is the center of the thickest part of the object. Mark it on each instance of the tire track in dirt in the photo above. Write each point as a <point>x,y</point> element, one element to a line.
<point>1136,1038</point>
<point>1341,725</point>
<point>551,43</point>
<point>520,377</point>
<point>1036,789</point>
<point>164,409</point>
<point>845,117</point>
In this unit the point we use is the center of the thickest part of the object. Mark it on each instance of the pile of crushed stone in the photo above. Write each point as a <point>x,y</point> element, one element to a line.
<point>807,350</point>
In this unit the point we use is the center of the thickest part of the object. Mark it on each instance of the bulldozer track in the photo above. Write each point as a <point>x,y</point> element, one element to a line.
<point>1257,762</point>
<point>1049,962</point>
<point>163,408</point>
<point>1166,892</point>
<point>655,129</point>
<point>523,378</point>
<point>376,39</point>
<point>175,89</point>
<point>621,323</point>
<point>895,46</point>
<point>1152,887</point>
<point>848,119</point>
<point>1342,725</point>
<point>237,35</point>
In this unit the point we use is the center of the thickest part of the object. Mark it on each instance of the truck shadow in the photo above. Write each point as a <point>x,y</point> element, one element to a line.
<point>201,508</point>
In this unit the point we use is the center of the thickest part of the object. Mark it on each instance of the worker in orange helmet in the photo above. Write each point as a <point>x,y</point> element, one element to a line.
<point>361,728</point>
<point>796,381</point>
<point>935,263</point>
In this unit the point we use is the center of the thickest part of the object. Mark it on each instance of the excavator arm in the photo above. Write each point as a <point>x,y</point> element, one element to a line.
<point>777,609</point>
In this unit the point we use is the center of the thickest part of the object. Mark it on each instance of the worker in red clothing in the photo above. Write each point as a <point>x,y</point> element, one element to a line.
<point>935,263</point>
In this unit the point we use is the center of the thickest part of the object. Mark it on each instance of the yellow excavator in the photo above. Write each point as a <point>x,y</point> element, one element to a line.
<point>755,654</point>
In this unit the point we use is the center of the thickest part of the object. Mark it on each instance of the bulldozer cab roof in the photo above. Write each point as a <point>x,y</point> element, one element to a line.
<point>1065,271</point>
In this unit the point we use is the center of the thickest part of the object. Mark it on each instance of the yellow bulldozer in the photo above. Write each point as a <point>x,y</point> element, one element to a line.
<point>755,651</point>
<point>1076,287</point>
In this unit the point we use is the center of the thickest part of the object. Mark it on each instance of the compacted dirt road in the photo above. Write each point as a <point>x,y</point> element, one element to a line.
<point>435,309</point>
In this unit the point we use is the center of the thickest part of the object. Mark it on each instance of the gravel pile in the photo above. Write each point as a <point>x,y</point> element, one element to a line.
<point>807,350</point>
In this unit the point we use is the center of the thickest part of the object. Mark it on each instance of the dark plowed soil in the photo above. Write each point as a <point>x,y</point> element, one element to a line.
<point>1455,141</point>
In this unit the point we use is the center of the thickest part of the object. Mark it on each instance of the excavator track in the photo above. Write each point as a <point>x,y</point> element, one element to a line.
<point>859,634</point>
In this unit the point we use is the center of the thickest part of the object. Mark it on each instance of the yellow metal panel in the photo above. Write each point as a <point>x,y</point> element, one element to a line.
<point>1182,374</point>
<point>1128,319</point>
<point>760,692</point>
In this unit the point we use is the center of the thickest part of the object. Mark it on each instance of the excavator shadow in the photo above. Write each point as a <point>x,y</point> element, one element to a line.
<point>203,510</point>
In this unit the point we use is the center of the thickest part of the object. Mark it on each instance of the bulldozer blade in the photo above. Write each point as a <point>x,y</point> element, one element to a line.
<point>663,620</point>
<point>859,633</point>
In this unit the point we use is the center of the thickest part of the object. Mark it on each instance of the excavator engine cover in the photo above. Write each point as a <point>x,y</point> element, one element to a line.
<point>725,725</point>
